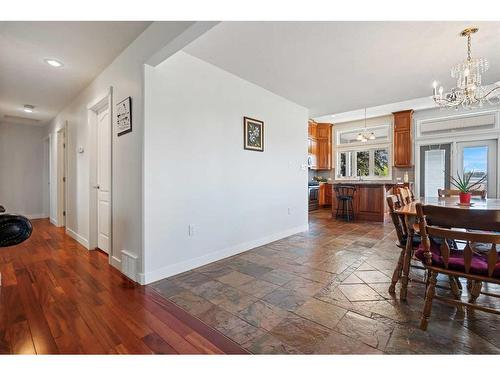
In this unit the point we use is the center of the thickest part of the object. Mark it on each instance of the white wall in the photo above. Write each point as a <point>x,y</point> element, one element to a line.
<point>197,172</point>
<point>125,76</point>
<point>21,169</point>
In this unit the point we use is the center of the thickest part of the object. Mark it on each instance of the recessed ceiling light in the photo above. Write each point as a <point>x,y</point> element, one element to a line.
<point>53,62</point>
<point>28,108</point>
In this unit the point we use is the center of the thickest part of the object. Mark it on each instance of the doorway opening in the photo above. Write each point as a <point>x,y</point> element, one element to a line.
<point>100,147</point>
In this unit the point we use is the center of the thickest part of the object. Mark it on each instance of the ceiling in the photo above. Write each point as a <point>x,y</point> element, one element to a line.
<point>333,67</point>
<point>85,49</point>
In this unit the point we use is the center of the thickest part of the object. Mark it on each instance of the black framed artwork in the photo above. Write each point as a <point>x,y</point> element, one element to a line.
<point>124,116</point>
<point>253,131</point>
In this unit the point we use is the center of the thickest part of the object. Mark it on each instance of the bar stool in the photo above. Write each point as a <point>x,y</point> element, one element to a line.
<point>345,197</point>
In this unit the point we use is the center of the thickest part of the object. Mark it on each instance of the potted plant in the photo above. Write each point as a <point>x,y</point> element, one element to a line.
<point>465,186</point>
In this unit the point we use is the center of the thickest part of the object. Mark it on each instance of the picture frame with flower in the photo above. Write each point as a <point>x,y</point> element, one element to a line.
<point>253,131</point>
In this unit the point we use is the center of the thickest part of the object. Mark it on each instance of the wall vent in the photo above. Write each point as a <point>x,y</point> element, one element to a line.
<point>129,264</point>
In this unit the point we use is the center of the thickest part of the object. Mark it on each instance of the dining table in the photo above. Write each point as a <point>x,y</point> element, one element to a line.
<point>409,214</point>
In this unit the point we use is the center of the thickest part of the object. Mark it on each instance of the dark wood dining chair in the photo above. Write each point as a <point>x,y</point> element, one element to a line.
<point>441,229</point>
<point>400,226</point>
<point>443,193</point>
<point>406,196</point>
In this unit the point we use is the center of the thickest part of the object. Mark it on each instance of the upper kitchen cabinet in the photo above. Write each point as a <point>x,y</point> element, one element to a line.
<point>403,138</point>
<point>324,138</point>
<point>312,128</point>
<point>320,146</point>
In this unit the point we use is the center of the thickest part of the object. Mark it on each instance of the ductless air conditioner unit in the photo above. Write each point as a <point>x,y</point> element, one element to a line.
<point>457,124</point>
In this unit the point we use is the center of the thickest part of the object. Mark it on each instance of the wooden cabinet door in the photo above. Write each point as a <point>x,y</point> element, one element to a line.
<point>403,138</point>
<point>322,194</point>
<point>324,154</point>
<point>402,149</point>
<point>328,194</point>
<point>312,130</point>
<point>323,131</point>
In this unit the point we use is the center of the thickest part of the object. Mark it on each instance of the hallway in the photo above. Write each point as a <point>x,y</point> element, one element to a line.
<point>57,297</point>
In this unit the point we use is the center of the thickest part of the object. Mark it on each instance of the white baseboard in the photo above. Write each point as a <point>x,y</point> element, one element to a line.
<point>36,216</point>
<point>180,267</point>
<point>81,240</point>
<point>53,221</point>
<point>115,262</point>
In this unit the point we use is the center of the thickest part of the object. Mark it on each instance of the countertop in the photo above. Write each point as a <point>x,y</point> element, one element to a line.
<point>357,182</point>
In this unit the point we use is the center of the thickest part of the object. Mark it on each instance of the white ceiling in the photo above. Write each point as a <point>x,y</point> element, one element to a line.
<point>85,48</point>
<point>333,67</point>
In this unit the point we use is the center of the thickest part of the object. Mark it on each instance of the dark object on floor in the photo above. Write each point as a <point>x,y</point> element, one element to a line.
<point>14,229</point>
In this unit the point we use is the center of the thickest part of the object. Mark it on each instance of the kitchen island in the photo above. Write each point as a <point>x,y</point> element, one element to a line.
<point>369,201</point>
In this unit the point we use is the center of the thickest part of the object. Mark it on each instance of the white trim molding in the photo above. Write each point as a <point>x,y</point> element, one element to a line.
<point>80,239</point>
<point>37,216</point>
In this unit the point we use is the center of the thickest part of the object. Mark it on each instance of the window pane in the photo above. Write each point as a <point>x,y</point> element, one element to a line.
<point>363,163</point>
<point>476,160</point>
<point>343,164</point>
<point>381,134</point>
<point>381,162</point>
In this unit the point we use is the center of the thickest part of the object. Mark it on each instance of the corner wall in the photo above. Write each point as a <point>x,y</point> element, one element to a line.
<point>197,173</point>
<point>125,75</point>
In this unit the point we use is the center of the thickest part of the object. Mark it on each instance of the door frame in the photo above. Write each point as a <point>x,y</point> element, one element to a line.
<point>453,140</point>
<point>47,170</point>
<point>459,160</point>
<point>418,164</point>
<point>62,175</point>
<point>92,110</point>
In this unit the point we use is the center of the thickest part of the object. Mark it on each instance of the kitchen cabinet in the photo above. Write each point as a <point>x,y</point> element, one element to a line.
<point>325,194</point>
<point>369,201</point>
<point>403,138</point>
<point>320,146</point>
<point>312,129</point>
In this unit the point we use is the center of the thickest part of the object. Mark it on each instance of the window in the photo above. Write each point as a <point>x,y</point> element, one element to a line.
<point>349,136</point>
<point>369,160</point>
<point>369,164</point>
<point>381,161</point>
<point>363,163</point>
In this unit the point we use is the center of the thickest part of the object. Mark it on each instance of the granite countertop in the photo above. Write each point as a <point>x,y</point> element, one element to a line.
<point>372,182</point>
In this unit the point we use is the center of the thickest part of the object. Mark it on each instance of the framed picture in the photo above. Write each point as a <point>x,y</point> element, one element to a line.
<point>253,131</point>
<point>124,116</point>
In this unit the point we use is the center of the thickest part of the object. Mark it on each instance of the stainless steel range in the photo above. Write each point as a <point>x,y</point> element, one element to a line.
<point>313,195</point>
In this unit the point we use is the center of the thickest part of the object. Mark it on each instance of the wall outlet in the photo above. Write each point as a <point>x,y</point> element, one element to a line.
<point>191,230</point>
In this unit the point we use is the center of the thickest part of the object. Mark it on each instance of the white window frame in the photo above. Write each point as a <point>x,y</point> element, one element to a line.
<point>370,146</point>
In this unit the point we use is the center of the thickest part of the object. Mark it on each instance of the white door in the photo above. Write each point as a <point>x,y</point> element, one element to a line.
<point>479,157</point>
<point>103,180</point>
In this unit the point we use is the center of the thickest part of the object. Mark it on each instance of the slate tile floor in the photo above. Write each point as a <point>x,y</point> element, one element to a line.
<point>325,291</point>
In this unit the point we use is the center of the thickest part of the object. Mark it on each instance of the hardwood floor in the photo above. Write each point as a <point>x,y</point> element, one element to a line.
<point>57,297</point>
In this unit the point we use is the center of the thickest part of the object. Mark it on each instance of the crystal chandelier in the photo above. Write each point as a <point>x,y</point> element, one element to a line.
<point>365,135</point>
<point>468,93</point>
